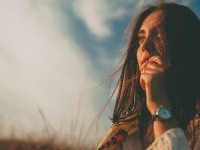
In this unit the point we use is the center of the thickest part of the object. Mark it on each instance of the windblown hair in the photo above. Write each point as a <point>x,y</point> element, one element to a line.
<point>179,46</point>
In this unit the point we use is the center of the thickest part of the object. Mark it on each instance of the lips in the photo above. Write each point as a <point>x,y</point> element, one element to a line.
<point>146,59</point>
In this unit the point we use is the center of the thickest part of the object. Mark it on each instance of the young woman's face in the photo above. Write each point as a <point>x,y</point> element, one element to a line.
<point>149,30</point>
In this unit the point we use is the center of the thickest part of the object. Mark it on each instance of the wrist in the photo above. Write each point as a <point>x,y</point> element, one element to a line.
<point>155,100</point>
<point>161,127</point>
<point>163,120</point>
<point>162,113</point>
<point>153,106</point>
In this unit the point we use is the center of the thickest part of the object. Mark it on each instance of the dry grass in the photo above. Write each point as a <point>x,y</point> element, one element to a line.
<point>71,141</point>
<point>16,144</point>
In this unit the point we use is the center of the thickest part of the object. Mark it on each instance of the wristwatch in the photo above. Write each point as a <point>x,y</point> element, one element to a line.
<point>163,113</point>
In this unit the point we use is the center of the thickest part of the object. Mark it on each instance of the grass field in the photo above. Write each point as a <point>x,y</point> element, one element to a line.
<point>76,139</point>
<point>16,144</point>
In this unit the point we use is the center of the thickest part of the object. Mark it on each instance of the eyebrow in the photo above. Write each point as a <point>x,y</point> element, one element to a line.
<point>141,32</point>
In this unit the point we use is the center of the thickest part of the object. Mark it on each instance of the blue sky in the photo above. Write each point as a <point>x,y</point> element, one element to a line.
<point>54,56</point>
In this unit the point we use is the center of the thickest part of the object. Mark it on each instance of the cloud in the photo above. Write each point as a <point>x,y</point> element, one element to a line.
<point>184,2</point>
<point>97,15</point>
<point>40,66</point>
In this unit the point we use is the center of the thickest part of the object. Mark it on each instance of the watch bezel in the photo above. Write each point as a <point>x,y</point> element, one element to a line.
<point>159,113</point>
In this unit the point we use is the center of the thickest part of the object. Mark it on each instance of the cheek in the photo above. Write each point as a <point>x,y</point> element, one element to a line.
<point>139,56</point>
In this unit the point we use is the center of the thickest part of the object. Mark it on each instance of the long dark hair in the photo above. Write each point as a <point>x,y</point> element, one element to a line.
<point>180,45</point>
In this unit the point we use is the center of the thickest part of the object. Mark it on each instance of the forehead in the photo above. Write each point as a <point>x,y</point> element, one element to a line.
<point>152,20</point>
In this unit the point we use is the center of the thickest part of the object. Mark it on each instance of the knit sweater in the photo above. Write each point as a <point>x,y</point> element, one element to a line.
<point>173,139</point>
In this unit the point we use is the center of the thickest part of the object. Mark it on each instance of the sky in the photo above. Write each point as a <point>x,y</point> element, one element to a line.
<point>56,59</point>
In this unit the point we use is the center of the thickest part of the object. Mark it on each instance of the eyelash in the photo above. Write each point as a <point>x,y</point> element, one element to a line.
<point>141,39</point>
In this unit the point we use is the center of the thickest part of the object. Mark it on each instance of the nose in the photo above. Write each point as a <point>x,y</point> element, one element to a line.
<point>148,45</point>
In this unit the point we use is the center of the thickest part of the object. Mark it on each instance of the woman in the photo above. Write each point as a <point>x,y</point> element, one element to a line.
<point>159,86</point>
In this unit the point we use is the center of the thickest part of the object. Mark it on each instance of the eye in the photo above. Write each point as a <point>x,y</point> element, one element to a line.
<point>141,39</point>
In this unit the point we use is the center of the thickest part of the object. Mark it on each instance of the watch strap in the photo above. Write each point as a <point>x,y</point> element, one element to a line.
<point>155,116</point>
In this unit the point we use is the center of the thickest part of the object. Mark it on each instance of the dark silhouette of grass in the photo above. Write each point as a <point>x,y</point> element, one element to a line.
<point>34,142</point>
<point>17,144</point>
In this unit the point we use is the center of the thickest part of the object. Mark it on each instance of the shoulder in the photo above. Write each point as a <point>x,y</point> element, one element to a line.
<point>172,139</point>
<point>131,142</point>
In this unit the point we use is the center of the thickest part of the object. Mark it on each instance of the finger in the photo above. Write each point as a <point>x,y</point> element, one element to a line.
<point>149,71</point>
<point>156,59</point>
<point>153,60</point>
<point>153,67</point>
<point>152,71</point>
<point>149,64</point>
<point>145,77</point>
<point>157,63</point>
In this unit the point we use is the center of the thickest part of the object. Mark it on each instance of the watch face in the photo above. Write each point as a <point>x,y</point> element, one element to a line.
<point>164,113</point>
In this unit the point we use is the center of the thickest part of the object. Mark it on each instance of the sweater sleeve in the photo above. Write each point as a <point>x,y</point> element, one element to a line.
<point>172,139</point>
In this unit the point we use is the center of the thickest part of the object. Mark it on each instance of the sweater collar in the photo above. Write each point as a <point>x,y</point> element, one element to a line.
<point>118,132</point>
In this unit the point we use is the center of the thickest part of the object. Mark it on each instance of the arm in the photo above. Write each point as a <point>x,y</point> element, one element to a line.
<point>152,80</point>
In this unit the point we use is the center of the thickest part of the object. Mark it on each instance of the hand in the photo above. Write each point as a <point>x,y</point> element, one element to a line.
<point>152,81</point>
